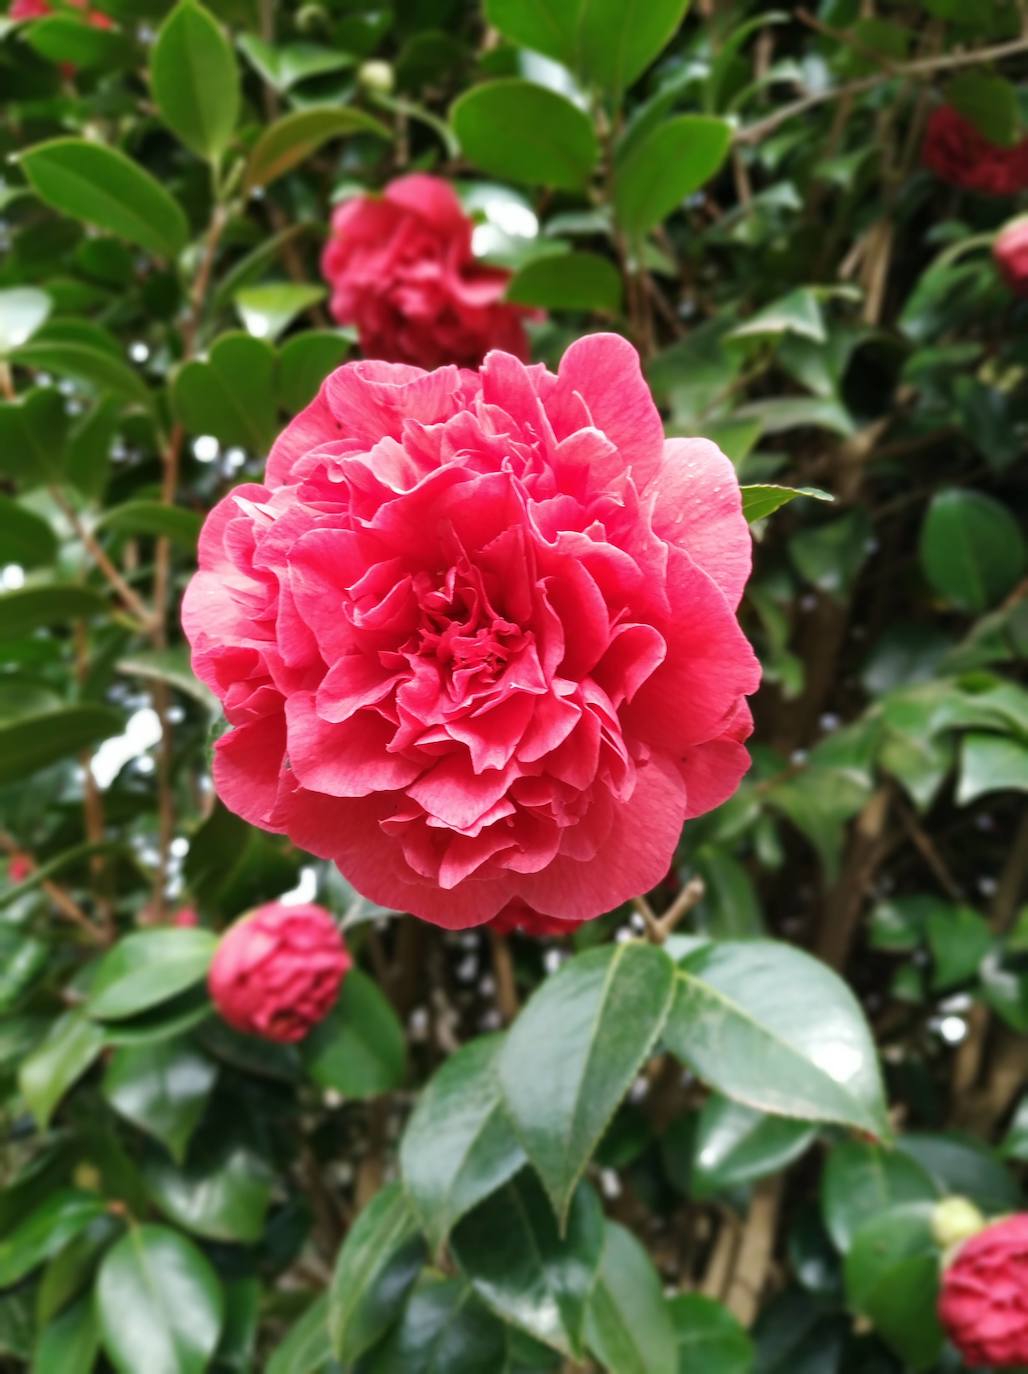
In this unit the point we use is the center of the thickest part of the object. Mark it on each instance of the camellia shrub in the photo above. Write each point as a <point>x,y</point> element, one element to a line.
<point>512,729</point>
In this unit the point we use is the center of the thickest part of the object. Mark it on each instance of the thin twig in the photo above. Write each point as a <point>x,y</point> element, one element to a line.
<point>130,599</point>
<point>503,968</point>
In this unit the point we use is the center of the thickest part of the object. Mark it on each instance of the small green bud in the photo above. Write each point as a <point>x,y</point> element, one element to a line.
<point>376,76</point>
<point>311,18</point>
<point>954,1220</point>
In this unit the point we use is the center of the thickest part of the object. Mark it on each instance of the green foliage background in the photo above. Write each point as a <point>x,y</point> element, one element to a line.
<point>728,1158</point>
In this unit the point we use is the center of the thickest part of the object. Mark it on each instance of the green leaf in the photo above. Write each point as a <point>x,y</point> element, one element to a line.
<point>972,549</point>
<point>306,1348</point>
<point>287,64</point>
<point>148,967</point>
<point>26,538</point>
<point>861,1181</point>
<point>73,359</point>
<point>458,1146</point>
<point>568,281</point>
<point>762,500</point>
<point>830,555</point>
<point>88,458</point>
<point>292,139</point>
<point>607,42</point>
<point>538,1280</point>
<point>444,1329</point>
<point>628,1324</point>
<point>709,1337</point>
<point>736,1145</point>
<point>159,1304</point>
<point>33,742</point>
<point>230,395</point>
<point>379,1260</point>
<point>30,608</point>
<point>304,361</point>
<point>22,310</point>
<point>959,939</point>
<point>775,1029</point>
<point>989,102</point>
<point>66,38</point>
<point>525,133</point>
<point>161,1088</point>
<point>359,1049</point>
<point>177,523</point>
<point>195,79</point>
<point>70,1343</point>
<point>1004,977</point>
<point>605,1009</point>
<point>222,1193</point>
<point>892,1277</point>
<point>170,666</point>
<point>667,164</point>
<point>960,1164</point>
<point>797,313</point>
<point>71,1046</point>
<point>47,1230</point>
<point>268,311</point>
<point>101,186</point>
<point>32,434</point>
<point>991,763</point>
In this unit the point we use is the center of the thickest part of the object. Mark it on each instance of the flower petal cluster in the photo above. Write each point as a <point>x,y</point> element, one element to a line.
<point>476,634</point>
<point>984,1299</point>
<point>956,152</point>
<point>401,269</point>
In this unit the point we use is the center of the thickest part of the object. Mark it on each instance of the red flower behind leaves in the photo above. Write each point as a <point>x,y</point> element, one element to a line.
<point>1010,251</point>
<point>956,152</point>
<point>401,269</point>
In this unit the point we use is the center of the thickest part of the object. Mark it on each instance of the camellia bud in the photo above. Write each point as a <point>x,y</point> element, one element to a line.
<point>1010,251</point>
<point>311,18</point>
<point>954,1220</point>
<point>376,76</point>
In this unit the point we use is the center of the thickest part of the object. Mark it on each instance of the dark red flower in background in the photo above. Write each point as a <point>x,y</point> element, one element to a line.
<point>958,153</point>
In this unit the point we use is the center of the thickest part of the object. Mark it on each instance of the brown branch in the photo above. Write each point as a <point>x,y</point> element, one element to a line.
<point>62,900</point>
<point>130,599</point>
<point>845,900</point>
<point>503,968</point>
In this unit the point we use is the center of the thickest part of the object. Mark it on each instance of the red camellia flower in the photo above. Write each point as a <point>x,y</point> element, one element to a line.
<point>1010,250</point>
<point>955,151</point>
<point>984,1300</point>
<point>401,269</point>
<point>476,634</point>
<point>276,972</point>
<point>186,917</point>
<point>19,867</point>
<point>38,9</point>
<point>516,916</point>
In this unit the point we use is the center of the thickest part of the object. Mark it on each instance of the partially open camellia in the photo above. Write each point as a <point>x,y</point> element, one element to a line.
<point>476,634</point>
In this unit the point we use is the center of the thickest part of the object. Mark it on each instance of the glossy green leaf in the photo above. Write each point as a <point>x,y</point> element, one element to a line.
<point>161,1088</point>
<point>972,549</point>
<point>797,313</point>
<point>292,139</point>
<point>154,518</point>
<point>736,1145</point>
<point>830,555</point>
<point>32,436</point>
<point>84,363</point>
<point>607,42</point>
<point>30,608</point>
<point>628,1324</point>
<point>230,394</point>
<point>268,311</point>
<point>444,1329</point>
<point>521,132</point>
<point>775,1029</point>
<point>71,1046</point>
<point>519,1264</point>
<point>1004,979</point>
<point>159,1304</point>
<point>34,742</point>
<point>605,1009</point>
<point>195,79</point>
<point>459,1145</point>
<point>47,1230</point>
<point>26,538</point>
<point>960,1164</point>
<point>148,967</point>
<point>306,1348</point>
<point>989,102</point>
<point>709,1338</point>
<point>67,38</point>
<point>761,500</point>
<point>959,939</point>
<point>284,65</point>
<point>221,1193</point>
<point>991,763</point>
<point>892,1272</point>
<point>359,1049</point>
<point>304,361</point>
<point>379,1261</point>
<point>568,281</point>
<point>668,164</point>
<point>861,1181</point>
<point>70,1342</point>
<point>22,310</point>
<point>101,186</point>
